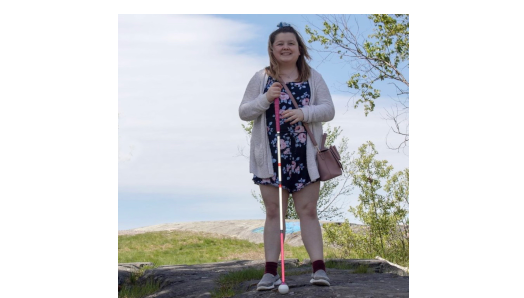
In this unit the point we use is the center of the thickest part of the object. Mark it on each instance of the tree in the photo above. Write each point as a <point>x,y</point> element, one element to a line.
<point>383,56</point>
<point>383,211</point>
<point>329,205</point>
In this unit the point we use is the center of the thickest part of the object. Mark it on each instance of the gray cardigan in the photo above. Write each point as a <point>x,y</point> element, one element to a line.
<point>254,106</point>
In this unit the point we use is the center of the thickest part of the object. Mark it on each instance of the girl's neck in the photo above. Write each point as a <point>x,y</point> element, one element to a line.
<point>289,73</point>
<point>288,69</point>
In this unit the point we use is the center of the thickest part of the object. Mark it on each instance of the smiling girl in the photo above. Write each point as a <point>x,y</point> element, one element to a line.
<point>287,56</point>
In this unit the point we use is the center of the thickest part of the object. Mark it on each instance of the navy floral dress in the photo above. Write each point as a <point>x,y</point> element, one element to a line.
<point>293,138</point>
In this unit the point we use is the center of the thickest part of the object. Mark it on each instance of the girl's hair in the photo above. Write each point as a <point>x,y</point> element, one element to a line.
<point>304,70</point>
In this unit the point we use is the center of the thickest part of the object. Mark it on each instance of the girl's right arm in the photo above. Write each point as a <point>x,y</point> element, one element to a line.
<point>254,103</point>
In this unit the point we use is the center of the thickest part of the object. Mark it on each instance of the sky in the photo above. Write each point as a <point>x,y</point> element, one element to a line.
<point>180,140</point>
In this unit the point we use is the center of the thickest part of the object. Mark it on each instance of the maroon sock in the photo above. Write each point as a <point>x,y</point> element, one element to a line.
<point>317,265</point>
<point>271,267</point>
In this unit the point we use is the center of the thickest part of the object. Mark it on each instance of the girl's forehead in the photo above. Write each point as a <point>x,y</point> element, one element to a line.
<point>285,36</point>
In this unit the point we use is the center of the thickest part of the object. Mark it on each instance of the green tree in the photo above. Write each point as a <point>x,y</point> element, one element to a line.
<point>382,56</point>
<point>330,203</point>
<point>382,210</point>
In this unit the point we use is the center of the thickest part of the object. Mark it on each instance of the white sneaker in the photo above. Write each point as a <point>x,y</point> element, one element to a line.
<point>320,278</point>
<point>268,282</point>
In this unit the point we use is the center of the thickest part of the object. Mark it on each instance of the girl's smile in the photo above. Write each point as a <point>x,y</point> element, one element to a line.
<point>285,48</point>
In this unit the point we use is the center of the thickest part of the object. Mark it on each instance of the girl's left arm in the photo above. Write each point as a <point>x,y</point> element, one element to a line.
<point>323,110</point>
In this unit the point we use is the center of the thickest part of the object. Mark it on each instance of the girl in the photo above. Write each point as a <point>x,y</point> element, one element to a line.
<point>300,177</point>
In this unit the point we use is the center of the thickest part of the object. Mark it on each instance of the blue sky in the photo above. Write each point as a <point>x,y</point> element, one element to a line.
<point>181,79</point>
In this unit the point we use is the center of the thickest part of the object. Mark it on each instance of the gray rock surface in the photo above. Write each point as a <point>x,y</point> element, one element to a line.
<point>125,270</point>
<point>383,280</point>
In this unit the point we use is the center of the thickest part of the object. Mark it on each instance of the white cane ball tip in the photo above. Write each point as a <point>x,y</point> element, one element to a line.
<point>283,289</point>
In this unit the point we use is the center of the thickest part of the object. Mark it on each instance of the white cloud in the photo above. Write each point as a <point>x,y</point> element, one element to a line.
<point>181,79</point>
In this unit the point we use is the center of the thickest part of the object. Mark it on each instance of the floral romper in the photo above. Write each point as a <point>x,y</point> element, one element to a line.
<point>293,138</point>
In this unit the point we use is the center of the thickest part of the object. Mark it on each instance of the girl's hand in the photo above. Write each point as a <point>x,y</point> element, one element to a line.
<point>273,92</point>
<point>294,115</point>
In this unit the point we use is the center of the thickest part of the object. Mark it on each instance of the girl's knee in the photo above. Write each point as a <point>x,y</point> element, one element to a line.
<point>307,212</point>
<point>272,212</point>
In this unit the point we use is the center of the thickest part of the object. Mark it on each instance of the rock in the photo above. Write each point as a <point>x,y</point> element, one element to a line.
<point>125,270</point>
<point>187,281</point>
<point>343,284</point>
<point>200,280</point>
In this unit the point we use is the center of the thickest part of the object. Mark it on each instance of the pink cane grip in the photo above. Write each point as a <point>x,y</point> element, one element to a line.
<point>277,113</point>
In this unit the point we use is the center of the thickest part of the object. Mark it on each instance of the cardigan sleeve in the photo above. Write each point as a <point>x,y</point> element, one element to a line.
<point>323,110</point>
<point>253,103</point>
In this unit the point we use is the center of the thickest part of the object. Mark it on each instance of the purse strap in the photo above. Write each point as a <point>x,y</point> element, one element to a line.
<point>305,124</point>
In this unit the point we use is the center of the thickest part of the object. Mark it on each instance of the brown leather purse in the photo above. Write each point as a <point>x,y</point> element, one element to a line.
<point>328,159</point>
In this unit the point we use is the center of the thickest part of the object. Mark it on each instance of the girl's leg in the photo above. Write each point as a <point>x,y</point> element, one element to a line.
<point>272,224</point>
<point>306,206</point>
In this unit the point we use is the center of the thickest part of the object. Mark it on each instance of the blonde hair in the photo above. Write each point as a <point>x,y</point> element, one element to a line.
<point>304,70</point>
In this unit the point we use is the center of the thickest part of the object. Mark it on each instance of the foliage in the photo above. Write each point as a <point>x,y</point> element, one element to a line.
<point>383,56</point>
<point>383,212</point>
<point>248,127</point>
<point>330,191</point>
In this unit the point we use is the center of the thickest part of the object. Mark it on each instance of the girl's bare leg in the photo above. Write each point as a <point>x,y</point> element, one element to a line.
<point>272,224</point>
<point>306,206</point>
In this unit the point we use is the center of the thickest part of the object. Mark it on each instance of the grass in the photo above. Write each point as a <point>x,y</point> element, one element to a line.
<point>180,247</point>
<point>363,269</point>
<point>134,289</point>
<point>228,284</point>
<point>139,291</point>
<point>360,269</point>
<point>189,248</point>
<point>339,265</point>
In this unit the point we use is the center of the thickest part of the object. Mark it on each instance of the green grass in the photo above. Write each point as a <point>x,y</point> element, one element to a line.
<point>189,248</point>
<point>339,265</point>
<point>179,247</point>
<point>139,291</point>
<point>228,282</point>
<point>361,268</point>
<point>296,252</point>
<point>133,289</point>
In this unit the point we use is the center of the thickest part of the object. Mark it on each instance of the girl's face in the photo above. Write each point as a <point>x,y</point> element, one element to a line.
<point>285,48</point>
